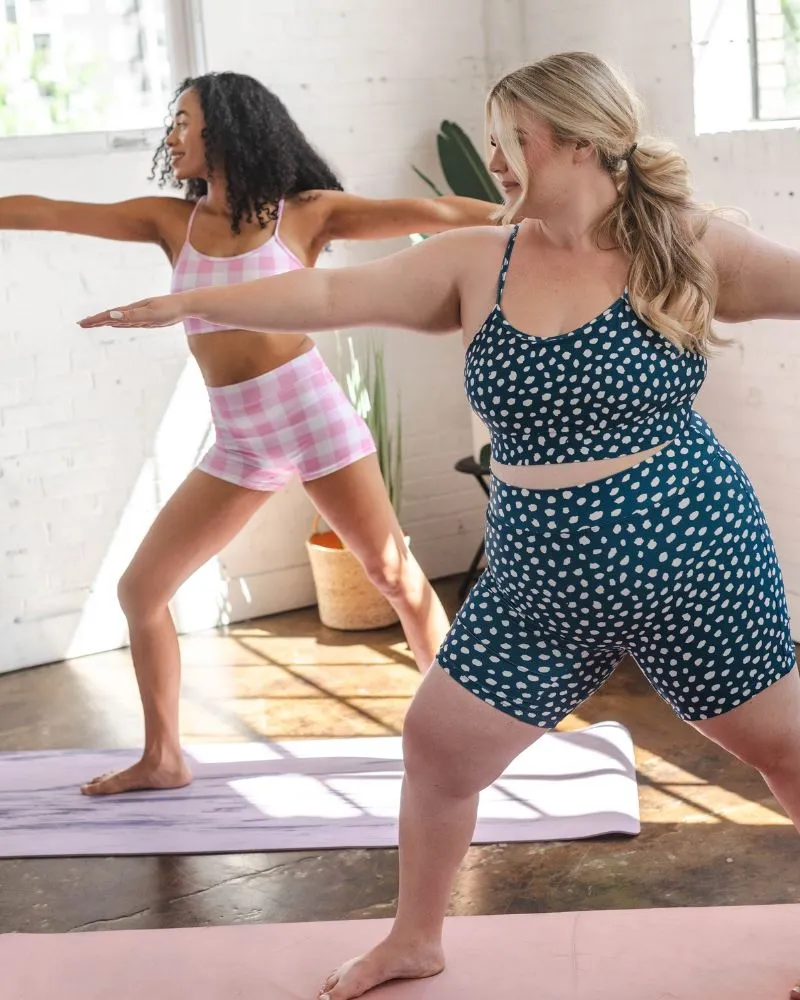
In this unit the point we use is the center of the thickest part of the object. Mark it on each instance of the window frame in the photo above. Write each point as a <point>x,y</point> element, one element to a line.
<point>185,40</point>
<point>758,118</point>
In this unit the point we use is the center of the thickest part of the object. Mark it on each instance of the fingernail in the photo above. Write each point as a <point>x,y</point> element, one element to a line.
<point>115,314</point>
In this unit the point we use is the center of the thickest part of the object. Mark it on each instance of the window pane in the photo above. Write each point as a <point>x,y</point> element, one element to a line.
<point>777,25</point>
<point>83,66</point>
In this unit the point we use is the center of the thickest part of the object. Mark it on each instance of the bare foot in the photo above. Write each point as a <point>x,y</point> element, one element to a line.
<point>388,961</point>
<point>795,994</point>
<point>144,775</point>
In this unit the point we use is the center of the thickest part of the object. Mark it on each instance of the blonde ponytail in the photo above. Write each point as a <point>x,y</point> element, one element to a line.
<point>657,224</point>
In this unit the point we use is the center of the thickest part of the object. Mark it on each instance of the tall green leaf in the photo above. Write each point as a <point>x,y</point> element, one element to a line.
<point>367,393</point>
<point>427,180</point>
<point>463,166</point>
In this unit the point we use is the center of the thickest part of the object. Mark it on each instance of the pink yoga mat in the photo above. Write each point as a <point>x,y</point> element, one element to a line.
<point>306,795</point>
<point>728,953</point>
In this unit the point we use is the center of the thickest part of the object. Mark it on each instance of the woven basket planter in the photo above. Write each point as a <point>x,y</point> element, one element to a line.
<point>346,598</point>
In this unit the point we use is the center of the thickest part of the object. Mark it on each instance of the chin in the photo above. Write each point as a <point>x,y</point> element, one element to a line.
<point>181,172</point>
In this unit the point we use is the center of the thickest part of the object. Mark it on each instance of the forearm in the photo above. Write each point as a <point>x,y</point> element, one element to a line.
<point>418,289</point>
<point>297,302</point>
<point>457,212</point>
<point>22,211</point>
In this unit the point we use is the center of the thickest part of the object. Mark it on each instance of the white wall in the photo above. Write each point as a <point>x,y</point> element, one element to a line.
<point>751,397</point>
<point>96,429</point>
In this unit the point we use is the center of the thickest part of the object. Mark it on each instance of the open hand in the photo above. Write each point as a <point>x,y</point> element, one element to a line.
<point>161,311</point>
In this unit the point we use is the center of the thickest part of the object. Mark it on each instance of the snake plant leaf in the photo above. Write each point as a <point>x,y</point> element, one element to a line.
<point>427,180</point>
<point>462,165</point>
<point>366,388</point>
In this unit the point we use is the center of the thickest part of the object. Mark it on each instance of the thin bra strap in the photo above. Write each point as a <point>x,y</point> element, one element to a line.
<point>279,216</point>
<point>501,281</point>
<point>191,217</point>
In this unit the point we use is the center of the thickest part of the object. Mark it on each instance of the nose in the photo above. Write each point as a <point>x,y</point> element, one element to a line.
<point>497,162</point>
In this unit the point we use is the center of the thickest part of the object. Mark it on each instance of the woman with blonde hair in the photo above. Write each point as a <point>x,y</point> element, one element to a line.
<point>617,522</point>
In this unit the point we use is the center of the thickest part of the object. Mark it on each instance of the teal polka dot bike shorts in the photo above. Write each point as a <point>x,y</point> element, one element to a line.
<point>670,561</point>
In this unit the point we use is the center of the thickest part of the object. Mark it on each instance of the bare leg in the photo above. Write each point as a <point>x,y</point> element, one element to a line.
<point>202,516</point>
<point>765,733</point>
<point>454,746</point>
<point>356,505</point>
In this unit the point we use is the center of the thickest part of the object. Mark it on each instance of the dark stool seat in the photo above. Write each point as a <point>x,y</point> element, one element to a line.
<point>480,471</point>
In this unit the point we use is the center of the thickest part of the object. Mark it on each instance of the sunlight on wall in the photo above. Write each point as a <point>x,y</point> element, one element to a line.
<point>182,437</point>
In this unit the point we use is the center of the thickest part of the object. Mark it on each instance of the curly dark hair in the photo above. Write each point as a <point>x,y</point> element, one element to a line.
<point>251,137</point>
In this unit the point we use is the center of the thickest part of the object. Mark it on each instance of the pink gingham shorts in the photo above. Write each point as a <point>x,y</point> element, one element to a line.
<point>294,419</point>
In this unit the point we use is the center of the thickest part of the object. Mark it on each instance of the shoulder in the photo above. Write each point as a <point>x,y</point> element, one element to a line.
<point>164,207</point>
<point>476,244</point>
<point>171,216</point>
<point>311,205</point>
<point>723,236</point>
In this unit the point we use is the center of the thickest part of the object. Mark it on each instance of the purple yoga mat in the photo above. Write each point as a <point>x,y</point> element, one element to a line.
<point>305,795</point>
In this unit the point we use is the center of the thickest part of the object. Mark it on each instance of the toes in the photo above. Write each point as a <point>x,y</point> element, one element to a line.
<point>330,983</point>
<point>91,787</point>
<point>107,784</point>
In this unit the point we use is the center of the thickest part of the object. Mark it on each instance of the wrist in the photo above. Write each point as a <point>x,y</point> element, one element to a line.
<point>191,303</point>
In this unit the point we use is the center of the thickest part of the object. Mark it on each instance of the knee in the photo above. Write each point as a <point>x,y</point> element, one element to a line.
<point>138,599</point>
<point>773,756</point>
<point>434,767</point>
<point>389,572</point>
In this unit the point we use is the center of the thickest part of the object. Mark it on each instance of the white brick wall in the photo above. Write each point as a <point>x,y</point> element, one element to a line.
<point>97,429</point>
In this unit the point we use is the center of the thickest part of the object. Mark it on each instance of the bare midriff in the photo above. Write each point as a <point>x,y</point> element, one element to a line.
<point>563,475</point>
<point>227,357</point>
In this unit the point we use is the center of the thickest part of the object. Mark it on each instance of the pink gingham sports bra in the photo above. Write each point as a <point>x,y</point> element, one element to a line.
<point>197,270</point>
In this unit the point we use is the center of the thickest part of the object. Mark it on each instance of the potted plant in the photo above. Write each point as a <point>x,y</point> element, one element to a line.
<point>346,598</point>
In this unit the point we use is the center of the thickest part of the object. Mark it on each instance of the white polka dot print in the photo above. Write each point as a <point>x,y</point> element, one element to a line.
<point>613,387</point>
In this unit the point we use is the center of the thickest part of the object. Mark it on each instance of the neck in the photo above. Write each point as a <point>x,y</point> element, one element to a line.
<point>571,222</point>
<point>217,197</point>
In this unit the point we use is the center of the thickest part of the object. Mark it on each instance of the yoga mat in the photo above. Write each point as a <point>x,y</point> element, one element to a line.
<point>305,795</point>
<point>727,953</point>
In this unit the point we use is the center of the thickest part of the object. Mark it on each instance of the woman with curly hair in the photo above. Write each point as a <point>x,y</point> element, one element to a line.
<point>259,202</point>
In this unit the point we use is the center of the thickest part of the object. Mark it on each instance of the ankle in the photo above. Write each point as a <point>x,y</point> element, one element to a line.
<point>416,939</point>
<point>163,754</point>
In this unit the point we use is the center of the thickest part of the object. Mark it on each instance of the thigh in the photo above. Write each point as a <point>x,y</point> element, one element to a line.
<point>456,741</point>
<point>198,520</point>
<point>715,624</point>
<point>355,504</point>
<point>763,730</point>
<point>530,669</point>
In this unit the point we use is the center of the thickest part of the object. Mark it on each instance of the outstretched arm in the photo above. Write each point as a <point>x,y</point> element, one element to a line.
<point>351,217</point>
<point>758,279</point>
<point>135,220</point>
<point>416,289</point>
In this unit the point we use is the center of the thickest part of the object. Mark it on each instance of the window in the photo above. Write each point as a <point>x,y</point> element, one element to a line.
<point>775,41</point>
<point>83,67</point>
<point>746,63</point>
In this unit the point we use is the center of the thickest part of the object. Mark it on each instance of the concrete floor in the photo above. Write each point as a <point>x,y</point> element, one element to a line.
<point>711,832</point>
